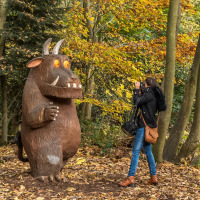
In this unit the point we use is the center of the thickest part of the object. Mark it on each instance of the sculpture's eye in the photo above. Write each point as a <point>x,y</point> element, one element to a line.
<point>56,63</point>
<point>66,64</point>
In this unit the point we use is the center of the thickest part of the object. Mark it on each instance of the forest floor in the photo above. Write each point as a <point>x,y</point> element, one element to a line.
<point>94,177</point>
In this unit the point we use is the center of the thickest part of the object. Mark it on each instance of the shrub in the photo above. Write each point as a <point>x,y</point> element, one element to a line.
<point>101,134</point>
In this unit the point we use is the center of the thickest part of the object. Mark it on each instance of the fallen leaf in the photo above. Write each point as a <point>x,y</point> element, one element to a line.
<point>22,187</point>
<point>70,189</point>
<point>39,198</point>
<point>80,161</point>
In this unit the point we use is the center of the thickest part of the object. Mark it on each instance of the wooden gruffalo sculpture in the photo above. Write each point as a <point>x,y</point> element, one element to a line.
<point>50,130</point>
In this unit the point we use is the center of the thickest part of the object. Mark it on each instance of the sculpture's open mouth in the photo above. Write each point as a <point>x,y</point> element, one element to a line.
<point>72,90</point>
<point>69,85</point>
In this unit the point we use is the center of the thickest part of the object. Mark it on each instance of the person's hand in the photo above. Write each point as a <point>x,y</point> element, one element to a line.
<point>137,85</point>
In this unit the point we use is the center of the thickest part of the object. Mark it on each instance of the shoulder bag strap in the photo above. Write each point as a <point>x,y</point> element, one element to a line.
<point>135,106</point>
<point>137,102</point>
<point>145,122</point>
<point>143,119</point>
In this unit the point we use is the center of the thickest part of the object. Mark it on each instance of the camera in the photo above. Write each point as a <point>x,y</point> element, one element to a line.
<point>142,85</point>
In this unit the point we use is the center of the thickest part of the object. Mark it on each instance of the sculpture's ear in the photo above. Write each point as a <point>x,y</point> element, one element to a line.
<point>34,62</point>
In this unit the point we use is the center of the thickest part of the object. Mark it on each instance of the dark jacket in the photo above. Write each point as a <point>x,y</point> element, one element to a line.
<point>148,107</point>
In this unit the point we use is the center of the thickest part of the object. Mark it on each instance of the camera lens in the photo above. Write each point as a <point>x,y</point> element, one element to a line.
<point>142,85</point>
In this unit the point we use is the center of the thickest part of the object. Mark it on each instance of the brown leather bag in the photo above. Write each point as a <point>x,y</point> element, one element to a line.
<point>151,134</point>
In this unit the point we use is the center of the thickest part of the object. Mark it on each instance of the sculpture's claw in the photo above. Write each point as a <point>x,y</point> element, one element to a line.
<point>58,178</point>
<point>42,178</point>
<point>51,178</point>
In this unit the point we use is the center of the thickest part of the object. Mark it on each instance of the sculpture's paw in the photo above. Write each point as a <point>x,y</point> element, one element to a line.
<point>51,178</point>
<point>51,112</point>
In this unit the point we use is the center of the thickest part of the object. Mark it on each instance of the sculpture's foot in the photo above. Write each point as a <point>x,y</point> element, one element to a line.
<point>51,178</point>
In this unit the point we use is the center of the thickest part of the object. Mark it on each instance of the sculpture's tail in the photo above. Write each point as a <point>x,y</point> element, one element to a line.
<point>18,142</point>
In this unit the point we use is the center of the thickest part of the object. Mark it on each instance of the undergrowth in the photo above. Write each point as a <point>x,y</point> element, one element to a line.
<point>100,134</point>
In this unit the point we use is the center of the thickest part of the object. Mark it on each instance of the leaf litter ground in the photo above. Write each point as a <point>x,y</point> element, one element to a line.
<point>93,177</point>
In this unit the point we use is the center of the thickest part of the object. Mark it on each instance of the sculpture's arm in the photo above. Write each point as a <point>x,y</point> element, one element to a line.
<point>42,115</point>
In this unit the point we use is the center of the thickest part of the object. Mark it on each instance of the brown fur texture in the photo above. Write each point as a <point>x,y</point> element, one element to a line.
<point>50,131</point>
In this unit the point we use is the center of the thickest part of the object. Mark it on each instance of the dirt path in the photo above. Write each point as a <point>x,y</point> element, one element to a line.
<point>89,177</point>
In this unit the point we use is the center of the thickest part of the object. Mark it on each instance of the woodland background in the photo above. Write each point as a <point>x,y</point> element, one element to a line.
<point>112,44</point>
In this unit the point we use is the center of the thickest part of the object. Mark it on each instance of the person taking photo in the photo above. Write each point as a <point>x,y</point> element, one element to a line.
<point>148,105</point>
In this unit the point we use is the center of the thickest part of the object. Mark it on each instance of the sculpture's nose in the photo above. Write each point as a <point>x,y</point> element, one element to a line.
<point>73,76</point>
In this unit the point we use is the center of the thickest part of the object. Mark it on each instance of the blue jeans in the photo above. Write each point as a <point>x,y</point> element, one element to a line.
<point>137,145</point>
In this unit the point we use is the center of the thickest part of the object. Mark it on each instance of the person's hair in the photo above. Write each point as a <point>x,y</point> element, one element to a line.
<point>151,82</point>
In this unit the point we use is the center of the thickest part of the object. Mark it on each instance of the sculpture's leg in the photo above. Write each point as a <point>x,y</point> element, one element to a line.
<point>51,177</point>
<point>46,160</point>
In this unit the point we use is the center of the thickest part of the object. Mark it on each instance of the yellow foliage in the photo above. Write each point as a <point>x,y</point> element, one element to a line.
<point>115,61</point>
<point>128,95</point>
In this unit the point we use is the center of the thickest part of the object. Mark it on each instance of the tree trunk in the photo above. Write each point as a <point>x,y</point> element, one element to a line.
<point>193,139</point>
<point>4,110</point>
<point>178,19</point>
<point>177,131</point>
<point>3,10</point>
<point>164,117</point>
<point>14,126</point>
<point>66,3</point>
<point>86,110</point>
<point>162,84</point>
<point>89,105</point>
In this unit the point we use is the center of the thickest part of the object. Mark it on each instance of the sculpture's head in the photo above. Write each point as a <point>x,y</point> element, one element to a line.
<point>53,75</point>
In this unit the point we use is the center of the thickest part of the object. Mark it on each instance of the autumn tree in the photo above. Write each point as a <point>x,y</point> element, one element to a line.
<point>3,11</point>
<point>192,142</point>
<point>127,40</point>
<point>176,133</point>
<point>101,35</point>
<point>28,25</point>
<point>164,117</point>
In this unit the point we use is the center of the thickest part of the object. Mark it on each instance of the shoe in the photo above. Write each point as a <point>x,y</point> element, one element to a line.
<point>153,180</point>
<point>128,182</point>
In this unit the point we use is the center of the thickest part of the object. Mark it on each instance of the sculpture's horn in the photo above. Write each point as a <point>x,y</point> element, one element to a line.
<point>45,50</point>
<point>57,46</point>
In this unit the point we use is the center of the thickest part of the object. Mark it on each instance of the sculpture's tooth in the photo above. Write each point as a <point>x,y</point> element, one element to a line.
<point>55,82</point>
<point>68,84</point>
<point>74,85</point>
<point>80,86</point>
